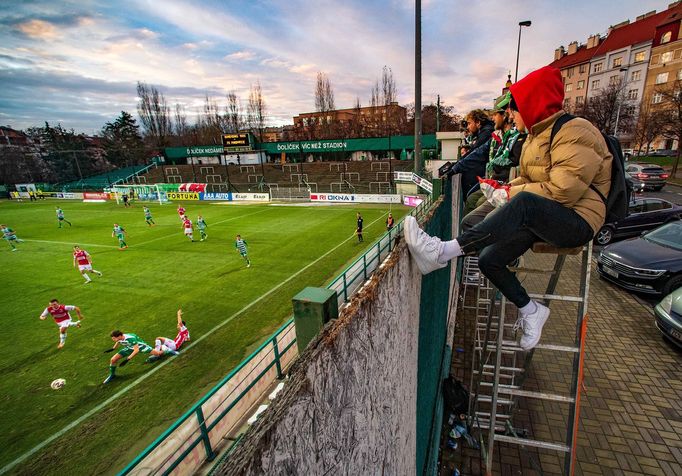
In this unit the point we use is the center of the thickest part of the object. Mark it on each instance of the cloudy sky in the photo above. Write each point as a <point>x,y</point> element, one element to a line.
<point>78,61</point>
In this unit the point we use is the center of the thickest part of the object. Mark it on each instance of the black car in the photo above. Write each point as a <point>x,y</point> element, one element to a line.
<point>646,176</point>
<point>649,264</point>
<point>643,214</point>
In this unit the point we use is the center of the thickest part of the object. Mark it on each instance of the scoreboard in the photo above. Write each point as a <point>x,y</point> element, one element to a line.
<point>237,142</point>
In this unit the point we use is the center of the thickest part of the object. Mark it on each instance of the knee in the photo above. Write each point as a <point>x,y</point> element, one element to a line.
<point>488,262</point>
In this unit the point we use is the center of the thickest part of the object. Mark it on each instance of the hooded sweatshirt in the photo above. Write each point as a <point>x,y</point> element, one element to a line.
<point>579,156</point>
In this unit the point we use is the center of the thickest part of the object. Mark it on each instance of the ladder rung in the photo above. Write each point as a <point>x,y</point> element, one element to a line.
<point>509,369</point>
<point>492,326</point>
<point>535,443</point>
<point>492,374</point>
<point>556,297</point>
<point>530,394</point>
<point>488,399</point>
<point>485,425</point>
<point>491,348</point>
<point>487,414</point>
<point>509,344</point>
<point>531,270</point>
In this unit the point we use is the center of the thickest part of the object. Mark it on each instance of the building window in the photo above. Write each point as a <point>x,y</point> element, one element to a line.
<point>632,94</point>
<point>617,62</point>
<point>598,67</point>
<point>567,104</point>
<point>636,76</point>
<point>615,79</point>
<point>581,84</point>
<point>657,98</point>
<point>582,68</point>
<point>667,57</point>
<point>569,87</point>
<point>579,101</point>
<point>630,111</point>
<point>570,72</point>
<point>662,78</point>
<point>666,37</point>
<point>679,75</point>
<point>595,84</point>
<point>640,56</point>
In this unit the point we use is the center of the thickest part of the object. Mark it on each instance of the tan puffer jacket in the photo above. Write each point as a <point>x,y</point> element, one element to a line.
<point>579,157</point>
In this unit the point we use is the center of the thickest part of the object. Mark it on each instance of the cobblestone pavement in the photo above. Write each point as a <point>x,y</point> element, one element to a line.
<point>631,410</point>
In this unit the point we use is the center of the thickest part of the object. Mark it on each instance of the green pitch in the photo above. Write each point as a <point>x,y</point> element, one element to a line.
<point>140,291</point>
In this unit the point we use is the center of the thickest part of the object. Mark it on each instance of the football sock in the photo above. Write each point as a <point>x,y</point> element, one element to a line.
<point>112,370</point>
<point>87,278</point>
<point>449,250</point>
<point>62,338</point>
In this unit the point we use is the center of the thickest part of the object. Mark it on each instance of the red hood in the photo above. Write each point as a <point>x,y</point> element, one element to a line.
<point>539,95</point>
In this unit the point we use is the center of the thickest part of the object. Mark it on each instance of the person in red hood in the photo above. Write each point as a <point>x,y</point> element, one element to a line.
<point>555,198</point>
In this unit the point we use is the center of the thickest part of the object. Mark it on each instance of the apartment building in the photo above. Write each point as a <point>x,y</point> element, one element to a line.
<point>574,64</point>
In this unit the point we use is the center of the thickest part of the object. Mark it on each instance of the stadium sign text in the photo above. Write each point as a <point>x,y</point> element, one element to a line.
<point>182,195</point>
<point>350,198</point>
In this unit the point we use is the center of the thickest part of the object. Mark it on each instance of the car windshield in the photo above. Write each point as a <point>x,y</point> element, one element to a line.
<point>669,235</point>
<point>652,170</point>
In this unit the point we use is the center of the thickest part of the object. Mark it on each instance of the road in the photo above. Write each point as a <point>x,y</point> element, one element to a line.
<point>672,193</point>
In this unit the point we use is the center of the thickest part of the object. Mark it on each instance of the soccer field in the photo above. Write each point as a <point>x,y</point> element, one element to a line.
<point>142,287</point>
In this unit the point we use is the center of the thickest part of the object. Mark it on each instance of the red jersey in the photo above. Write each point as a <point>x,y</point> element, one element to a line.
<point>181,211</point>
<point>82,257</point>
<point>187,224</point>
<point>60,314</point>
<point>183,335</point>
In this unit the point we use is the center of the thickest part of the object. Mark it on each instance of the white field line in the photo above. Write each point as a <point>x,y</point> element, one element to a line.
<point>71,243</point>
<point>158,367</point>
<point>179,233</point>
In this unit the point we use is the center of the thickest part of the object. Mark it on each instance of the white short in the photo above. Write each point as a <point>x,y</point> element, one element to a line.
<point>64,323</point>
<point>188,231</point>
<point>84,267</point>
<point>168,344</point>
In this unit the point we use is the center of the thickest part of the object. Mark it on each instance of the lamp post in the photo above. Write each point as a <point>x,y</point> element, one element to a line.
<point>620,103</point>
<point>518,48</point>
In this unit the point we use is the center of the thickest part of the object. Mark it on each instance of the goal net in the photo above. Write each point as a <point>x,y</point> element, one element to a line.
<point>144,193</point>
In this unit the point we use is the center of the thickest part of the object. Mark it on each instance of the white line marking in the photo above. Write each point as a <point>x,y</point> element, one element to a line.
<point>179,233</point>
<point>72,243</point>
<point>142,378</point>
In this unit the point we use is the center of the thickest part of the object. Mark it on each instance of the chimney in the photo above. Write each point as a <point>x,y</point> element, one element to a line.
<point>572,47</point>
<point>646,15</point>
<point>593,41</point>
<point>559,53</point>
<point>621,24</point>
<point>673,5</point>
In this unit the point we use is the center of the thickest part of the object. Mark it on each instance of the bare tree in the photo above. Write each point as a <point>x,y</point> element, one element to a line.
<point>180,126</point>
<point>649,124</point>
<point>234,113</point>
<point>257,111</point>
<point>671,96</point>
<point>154,114</point>
<point>609,108</point>
<point>324,94</point>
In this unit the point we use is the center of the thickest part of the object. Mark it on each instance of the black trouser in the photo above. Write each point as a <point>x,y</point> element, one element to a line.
<point>511,231</point>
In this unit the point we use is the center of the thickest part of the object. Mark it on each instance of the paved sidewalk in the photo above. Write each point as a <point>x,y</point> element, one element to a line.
<point>631,410</point>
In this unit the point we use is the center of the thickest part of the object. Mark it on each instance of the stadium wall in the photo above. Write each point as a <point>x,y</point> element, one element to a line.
<point>364,396</point>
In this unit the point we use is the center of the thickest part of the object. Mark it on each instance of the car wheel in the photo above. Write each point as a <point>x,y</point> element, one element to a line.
<point>604,235</point>
<point>672,284</point>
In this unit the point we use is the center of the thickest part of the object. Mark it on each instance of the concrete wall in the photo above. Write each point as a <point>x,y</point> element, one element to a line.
<point>349,405</point>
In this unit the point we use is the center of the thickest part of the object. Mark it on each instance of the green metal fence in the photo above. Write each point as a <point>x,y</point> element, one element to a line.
<point>193,438</point>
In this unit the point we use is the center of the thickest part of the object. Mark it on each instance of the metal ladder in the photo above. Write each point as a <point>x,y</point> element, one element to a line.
<point>499,365</point>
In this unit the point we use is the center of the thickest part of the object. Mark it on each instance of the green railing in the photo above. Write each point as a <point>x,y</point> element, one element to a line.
<point>193,438</point>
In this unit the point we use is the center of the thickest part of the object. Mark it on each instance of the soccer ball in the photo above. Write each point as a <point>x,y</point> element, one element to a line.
<point>58,383</point>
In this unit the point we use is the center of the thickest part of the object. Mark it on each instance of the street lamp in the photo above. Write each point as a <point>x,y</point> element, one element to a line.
<point>620,103</point>
<point>518,48</point>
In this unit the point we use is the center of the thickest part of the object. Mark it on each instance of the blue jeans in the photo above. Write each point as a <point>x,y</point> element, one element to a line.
<point>511,231</point>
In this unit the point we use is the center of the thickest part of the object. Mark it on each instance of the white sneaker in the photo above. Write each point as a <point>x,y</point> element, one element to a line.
<point>425,249</point>
<point>532,326</point>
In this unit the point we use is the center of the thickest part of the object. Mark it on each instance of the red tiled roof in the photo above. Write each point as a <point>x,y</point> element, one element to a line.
<point>583,55</point>
<point>636,32</point>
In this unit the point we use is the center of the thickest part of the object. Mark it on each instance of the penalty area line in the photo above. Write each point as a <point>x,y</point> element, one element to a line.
<point>71,243</point>
<point>142,378</point>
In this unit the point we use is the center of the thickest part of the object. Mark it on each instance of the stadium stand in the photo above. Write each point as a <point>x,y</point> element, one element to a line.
<point>133,175</point>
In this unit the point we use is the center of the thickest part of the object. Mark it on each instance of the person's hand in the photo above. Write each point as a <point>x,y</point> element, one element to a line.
<point>495,193</point>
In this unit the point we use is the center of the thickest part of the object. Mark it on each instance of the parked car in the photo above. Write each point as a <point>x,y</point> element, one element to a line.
<point>651,263</point>
<point>643,214</point>
<point>663,153</point>
<point>647,176</point>
<point>668,314</point>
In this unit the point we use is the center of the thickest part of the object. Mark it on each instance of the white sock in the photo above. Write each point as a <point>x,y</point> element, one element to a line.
<point>62,338</point>
<point>96,272</point>
<point>449,250</point>
<point>157,344</point>
<point>85,275</point>
<point>72,324</point>
<point>528,309</point>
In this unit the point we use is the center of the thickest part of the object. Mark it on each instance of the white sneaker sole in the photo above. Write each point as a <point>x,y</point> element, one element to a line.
<point>542,320</point>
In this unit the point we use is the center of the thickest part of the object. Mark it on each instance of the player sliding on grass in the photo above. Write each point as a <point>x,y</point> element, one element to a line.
<point>148,217</point>
<point>201,224</point>
<point>132,345</point>
<point>164,345</point>
<point>84,261</point>
<point>187,226</point>
<point>9,235</point>
<point>120,233</point>
<point>60,217</point>
<point>240,245</point>
<point>61,316</point>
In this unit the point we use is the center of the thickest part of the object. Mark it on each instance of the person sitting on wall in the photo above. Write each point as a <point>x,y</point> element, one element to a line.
<point>472,165</point>
<point>555,198</point>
